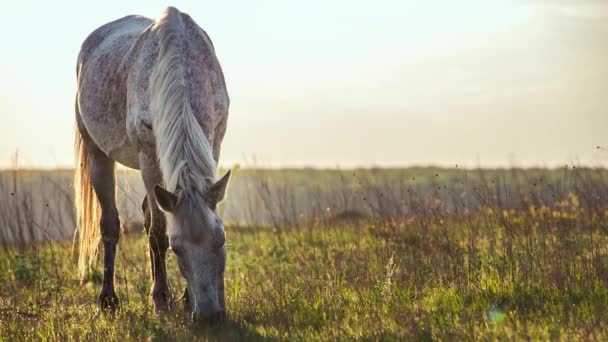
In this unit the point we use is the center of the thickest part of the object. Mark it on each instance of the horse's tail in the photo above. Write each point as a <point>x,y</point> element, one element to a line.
<point>88,210</point>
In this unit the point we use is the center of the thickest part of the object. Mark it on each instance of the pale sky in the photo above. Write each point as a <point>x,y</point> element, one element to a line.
<point>346,83</point>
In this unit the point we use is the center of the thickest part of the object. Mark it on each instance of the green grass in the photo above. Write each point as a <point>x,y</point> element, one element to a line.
<point>355,281</point>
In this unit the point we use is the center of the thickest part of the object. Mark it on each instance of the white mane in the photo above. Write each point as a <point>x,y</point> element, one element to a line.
<point>183,151</point>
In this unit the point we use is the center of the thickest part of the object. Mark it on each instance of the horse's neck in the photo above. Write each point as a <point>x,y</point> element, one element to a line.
<point>182,145</point>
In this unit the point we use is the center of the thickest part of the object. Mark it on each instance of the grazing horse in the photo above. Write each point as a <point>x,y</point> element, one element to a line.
<point>152,96</point>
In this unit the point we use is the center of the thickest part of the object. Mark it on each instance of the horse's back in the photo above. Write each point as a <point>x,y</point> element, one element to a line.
<point>112,34</point>
<point>102,82</point>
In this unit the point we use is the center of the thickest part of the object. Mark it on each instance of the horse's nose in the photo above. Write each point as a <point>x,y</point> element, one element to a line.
<point>211,316</point>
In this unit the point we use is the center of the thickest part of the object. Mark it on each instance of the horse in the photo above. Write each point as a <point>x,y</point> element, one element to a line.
<point>152,96</point>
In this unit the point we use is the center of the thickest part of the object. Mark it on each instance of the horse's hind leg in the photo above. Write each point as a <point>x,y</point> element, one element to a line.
<point>103,180</point>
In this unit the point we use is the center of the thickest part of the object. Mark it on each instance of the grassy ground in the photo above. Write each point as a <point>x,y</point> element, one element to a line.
<point>487,277</point>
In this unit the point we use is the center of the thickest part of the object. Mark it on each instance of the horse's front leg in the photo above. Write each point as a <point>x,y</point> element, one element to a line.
<point>155,226</point>
<point>103,180</point>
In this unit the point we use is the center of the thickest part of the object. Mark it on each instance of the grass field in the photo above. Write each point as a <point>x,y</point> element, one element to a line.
<point>488,258</point>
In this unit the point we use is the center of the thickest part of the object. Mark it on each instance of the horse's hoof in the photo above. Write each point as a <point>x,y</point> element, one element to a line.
<point>161,308</point>
<point>162,302</point>
<point>107,302</point>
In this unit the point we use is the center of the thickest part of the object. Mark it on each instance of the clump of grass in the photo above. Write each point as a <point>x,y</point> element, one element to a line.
<point>25,270</point>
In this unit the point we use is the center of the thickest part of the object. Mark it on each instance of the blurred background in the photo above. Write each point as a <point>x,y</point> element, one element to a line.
<point>322,84</point>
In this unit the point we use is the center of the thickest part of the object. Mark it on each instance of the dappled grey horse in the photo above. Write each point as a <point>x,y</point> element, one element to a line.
<point>151,96</point>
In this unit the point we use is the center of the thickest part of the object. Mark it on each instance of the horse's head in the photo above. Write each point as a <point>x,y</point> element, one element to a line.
<point>196,236</point>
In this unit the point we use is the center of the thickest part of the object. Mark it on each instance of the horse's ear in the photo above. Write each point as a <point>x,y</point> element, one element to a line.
<point>165,199</point>
<point>217,191</point>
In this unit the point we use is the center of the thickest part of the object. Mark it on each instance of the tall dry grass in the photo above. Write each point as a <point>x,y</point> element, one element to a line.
<point>546,225</point>
<point>39,204</point>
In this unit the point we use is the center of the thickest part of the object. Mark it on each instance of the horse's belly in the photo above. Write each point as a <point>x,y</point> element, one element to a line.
<point>111,137</point>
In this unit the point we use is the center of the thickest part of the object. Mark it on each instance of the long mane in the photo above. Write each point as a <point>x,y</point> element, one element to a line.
<point>184,153</point>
